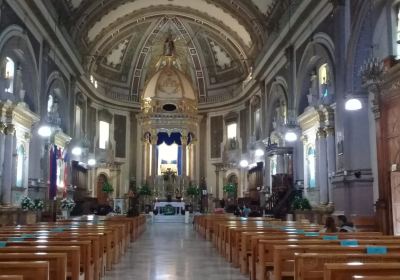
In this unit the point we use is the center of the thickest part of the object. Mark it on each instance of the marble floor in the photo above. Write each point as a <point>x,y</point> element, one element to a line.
<point>173,252</point>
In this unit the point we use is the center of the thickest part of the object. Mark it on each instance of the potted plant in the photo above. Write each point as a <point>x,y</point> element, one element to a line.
<point>301,207</point>
<point>193,192</point>
<point>27,204</point>
<point>301,203</point>
<point>39,204</point>
<point>66,205</point>
<point>107,188</point>
<point>230,189</point>
<point>146,192</point>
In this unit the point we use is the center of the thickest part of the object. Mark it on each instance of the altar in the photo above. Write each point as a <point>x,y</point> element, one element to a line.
<point>178,206</point>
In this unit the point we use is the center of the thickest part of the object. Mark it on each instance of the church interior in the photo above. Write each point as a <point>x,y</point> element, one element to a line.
<point>193,139</point>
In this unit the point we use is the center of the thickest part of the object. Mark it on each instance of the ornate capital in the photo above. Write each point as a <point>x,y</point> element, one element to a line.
<point>10,129</point>
<point>321,133</point>
<point>330,131</point>
<point>2,127</point>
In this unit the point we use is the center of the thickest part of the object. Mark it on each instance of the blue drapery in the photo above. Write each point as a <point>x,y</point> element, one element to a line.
<point>174,137</point>
<point>53,172</point>
<point>179,160</point>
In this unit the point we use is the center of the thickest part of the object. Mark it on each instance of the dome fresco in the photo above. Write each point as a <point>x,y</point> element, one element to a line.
<point>169,83</point>
<point>216,42</point>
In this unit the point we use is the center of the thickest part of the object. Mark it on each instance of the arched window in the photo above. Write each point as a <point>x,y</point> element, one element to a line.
<point>257,124</point>
<point>9,75</point>
<point>311,167</point>
<point>323,77</point>
<point>50,102</point>
<point>20,166</point>
<point>78,121</point>
<point>104,135</point>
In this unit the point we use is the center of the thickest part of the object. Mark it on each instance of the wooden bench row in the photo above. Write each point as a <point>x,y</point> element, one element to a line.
<point>82,248</point>
<point>269,249</point>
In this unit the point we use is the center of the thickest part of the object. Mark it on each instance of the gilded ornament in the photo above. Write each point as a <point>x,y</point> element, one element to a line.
<point>2,127</point>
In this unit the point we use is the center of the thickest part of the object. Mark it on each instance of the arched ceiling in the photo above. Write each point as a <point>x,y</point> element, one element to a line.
<point>122,40</point>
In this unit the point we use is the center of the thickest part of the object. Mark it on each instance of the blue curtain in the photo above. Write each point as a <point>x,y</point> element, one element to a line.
<point>174,137</point>
<point>53,172</point>
<point>179,160</point>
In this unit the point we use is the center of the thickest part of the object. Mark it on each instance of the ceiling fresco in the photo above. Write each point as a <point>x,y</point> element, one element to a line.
<point>121,41</point>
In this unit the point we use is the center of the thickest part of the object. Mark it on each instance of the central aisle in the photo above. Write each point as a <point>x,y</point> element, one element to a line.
<point>173,252</point>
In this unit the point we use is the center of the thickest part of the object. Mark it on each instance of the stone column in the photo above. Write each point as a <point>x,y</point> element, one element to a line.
<point>2,139</point>
<point>322,167</point>
<point>331,159</point>
<point>183,154</point>
<point>145,159</point>
<point>217,169</point>
<point>7,166</point>
<point>304,141</point>
<point>153,156</point>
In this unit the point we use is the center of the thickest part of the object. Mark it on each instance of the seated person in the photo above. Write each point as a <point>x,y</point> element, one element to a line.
<point>344,225</point>
<point>330,225</point>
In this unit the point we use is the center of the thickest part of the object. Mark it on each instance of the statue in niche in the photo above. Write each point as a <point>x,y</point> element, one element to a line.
<point>18,85</point>
<point>313,95</point>
<point>169,46</point>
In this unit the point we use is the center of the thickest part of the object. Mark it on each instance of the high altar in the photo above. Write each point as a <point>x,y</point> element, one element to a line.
<point>169,129</point>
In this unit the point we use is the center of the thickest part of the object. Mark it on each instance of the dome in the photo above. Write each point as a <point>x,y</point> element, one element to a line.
<point>169,84</point>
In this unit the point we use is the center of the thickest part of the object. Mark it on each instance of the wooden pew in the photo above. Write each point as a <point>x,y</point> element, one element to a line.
<point>264,255</point>
<point>87,264</point>
<point>345,271</point>
<point>57,262</point>
<point>35,270</point>
<point>311,265</point>
<point>11,277</point>
<point>283,255</point>
<point>72,252</point>
<point>355,277</point>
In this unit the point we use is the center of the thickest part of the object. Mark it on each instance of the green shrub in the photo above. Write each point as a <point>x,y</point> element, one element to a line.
<point>300,203</point>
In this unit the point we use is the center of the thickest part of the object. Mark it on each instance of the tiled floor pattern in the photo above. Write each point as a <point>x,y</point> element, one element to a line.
<point>173,252</point>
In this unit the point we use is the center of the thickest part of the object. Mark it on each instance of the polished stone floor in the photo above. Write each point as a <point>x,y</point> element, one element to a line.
<point>173,252</point>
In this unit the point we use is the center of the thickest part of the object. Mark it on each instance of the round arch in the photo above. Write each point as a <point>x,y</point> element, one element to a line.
<point>14,43</point>
<point>277,97</point>
<point>319,51</point>
<point>56,87</point>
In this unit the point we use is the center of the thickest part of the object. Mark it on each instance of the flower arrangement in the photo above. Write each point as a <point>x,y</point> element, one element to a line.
<point>67,204</point>
<point>27,203</point>
<point>39,204</point>
<point>107,188</point>
<point>230,188</point>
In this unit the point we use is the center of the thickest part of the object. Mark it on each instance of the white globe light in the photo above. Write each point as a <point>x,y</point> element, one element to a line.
<point>244,163</point>
<point>259,152</point>
<point>92,162</point>
<point>290,136</point>
<point>76,151</point>
<point>353,104</point>
<point>44,131</point>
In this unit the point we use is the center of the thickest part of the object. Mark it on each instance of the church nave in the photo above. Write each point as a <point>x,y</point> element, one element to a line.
<point>170,251</point>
